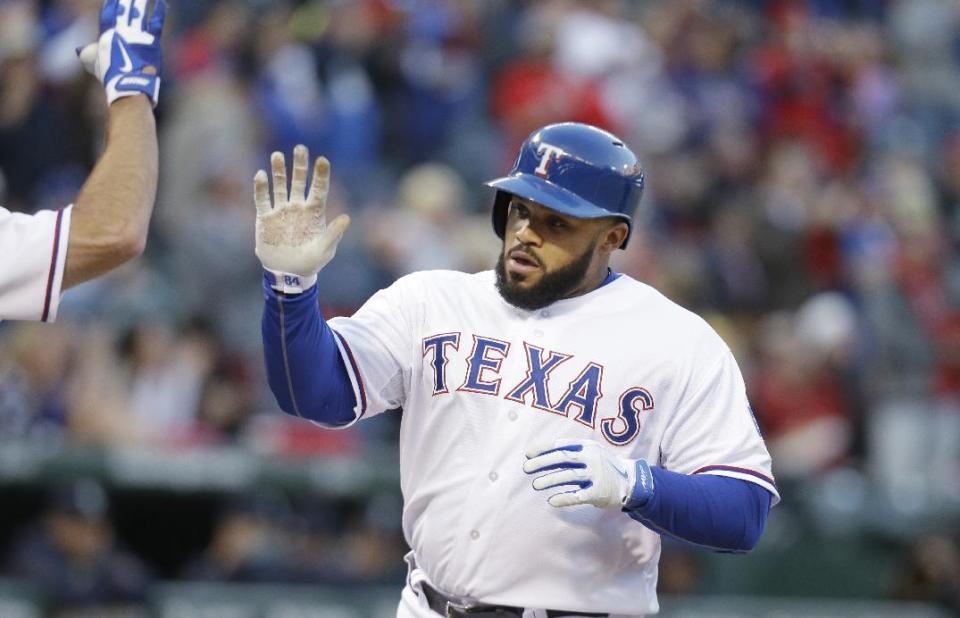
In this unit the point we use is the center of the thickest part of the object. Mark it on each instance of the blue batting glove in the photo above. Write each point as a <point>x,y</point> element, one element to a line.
<point>126,58</point>
<point>585,472</point>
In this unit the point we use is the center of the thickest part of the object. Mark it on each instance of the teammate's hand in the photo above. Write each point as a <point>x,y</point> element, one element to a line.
<point>126,57</point>
<point>586,473</point>
<point>293,239</point>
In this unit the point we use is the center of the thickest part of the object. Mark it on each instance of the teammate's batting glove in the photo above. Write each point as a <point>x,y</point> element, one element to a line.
<point>587,473</point>
<point>293,239</point>
<point>126,57</point>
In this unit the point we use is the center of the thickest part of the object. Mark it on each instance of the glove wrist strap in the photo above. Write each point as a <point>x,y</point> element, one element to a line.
<point>642,490</point>
<point>133,84</point>
<point>289,283</point>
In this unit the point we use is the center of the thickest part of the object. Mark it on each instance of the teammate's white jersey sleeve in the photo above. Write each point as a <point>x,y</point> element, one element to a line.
<point>376,346</point>
<point>713,430</point>
<point>33,253</point>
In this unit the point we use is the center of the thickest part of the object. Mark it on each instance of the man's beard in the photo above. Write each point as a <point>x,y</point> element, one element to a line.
<point>551,287</point>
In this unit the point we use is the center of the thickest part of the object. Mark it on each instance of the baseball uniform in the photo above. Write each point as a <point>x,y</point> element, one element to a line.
<point>33,252</point>
<point>478,379</point>
<point>629,404</point>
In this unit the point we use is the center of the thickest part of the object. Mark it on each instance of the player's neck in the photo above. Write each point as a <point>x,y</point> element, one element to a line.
<point>591,282</point>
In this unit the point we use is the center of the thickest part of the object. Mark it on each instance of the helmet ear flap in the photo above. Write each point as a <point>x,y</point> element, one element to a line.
<point>500,204</point>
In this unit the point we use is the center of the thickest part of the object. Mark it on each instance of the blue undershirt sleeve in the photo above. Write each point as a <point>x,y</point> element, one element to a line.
<point>304,368</point>
<point>716,512</point>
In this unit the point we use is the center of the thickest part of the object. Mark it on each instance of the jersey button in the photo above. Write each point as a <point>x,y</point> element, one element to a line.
<point>493,476</point>
<point>512,415</point>
<point>474,534</point>
<point>545,313</point>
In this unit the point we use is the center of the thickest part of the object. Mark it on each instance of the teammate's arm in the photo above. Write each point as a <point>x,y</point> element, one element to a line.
<point>111,214</point>
<point>45,253</point>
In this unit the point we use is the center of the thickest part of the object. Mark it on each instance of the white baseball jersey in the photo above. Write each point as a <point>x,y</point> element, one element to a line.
<point>33,253</point>
<point>479,380</point>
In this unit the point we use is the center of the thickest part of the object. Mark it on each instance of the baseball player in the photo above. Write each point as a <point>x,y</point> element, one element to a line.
<point>558,417</point>
<point>43,254</point>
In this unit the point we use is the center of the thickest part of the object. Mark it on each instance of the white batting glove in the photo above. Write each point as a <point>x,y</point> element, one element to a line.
<point>293,240</point>
<point>587,473</point>
<point>126,58</point>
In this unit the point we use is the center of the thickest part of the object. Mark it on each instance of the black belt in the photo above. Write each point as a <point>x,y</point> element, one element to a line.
<point>445,606</point>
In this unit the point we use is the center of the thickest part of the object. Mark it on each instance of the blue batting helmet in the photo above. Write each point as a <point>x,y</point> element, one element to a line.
<point>575,169</point>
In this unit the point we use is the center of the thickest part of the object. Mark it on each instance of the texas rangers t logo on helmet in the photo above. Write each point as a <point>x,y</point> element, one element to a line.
<point>547,153</point>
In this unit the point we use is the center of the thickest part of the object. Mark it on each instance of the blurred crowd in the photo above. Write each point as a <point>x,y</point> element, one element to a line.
<point>803,194</point>
<point>87,552</point>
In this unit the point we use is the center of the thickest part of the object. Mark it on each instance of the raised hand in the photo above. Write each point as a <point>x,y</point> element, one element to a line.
<point>126,58</point>
<point>293,239</point>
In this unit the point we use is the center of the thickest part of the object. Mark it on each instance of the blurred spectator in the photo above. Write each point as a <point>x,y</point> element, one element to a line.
<point>321,97</point>
<point>798,395</point>
<point>930,573</point>
<point>227,397</point>
<point>266,538</point>
<point>246,545</point>
<point>71,24</point>
<point>438,64</point>
<point>371,546</point>
<point>215,46</point>
<point>430,227</point>
<point>534,89</point>
<point>313,543</point>
<point>73,554</point>
<point>31,121</point>
<point>680,572</point>
<point>166,374</point>
<point>738,277</point>
<point>802,87</point>
<point>33,383</point>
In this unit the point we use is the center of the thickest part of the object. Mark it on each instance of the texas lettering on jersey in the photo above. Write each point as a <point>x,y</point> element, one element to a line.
<point>479,380</point>
<point>577,400</point>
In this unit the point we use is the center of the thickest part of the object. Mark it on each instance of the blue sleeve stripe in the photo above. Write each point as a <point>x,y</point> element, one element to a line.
<point>356,372</point>
<point>286,358</point>
<point>746,471</point>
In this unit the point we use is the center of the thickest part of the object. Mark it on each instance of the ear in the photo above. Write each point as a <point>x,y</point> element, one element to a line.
<point>614,236</point>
